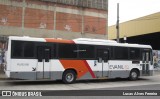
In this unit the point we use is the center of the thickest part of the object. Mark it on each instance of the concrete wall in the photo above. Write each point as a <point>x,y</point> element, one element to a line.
<point>45,19</point>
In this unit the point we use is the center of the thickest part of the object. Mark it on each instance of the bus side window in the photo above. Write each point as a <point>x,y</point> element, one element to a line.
<point>40,53</point>
<point>67,51</point>
<point>86,52</point>
<point>121,53</point>
<point>29,49</point>
<point>134,53</point>
<point>22,49</point>
<point>106,56</point>
<point>47,55</point>
<point>17,49</point>
<point>102,54</point>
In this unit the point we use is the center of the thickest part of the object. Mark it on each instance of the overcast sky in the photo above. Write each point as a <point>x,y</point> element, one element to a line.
<point>131,9</point>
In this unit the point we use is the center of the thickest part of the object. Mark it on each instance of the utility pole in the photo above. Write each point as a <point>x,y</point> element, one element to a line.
<point>117,25</point>
<point>55,17</point>
<point>82,15</point>
<point>23,14</point>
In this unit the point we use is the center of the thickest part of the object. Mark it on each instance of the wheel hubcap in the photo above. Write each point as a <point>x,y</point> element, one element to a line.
<point>134,74</point>
<point>69,77</point>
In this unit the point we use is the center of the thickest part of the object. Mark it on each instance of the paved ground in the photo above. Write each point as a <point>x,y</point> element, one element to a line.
<point>144,83</point>
<point>144,87</point>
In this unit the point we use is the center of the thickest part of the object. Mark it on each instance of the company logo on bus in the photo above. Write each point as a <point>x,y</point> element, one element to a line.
<point>118,67</point>
<point>22,64</point>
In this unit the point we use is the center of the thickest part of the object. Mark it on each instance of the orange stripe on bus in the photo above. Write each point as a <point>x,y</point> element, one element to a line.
<point>58,40</point>
<point>79,65</point>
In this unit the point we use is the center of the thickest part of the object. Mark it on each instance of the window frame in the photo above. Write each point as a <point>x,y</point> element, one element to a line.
<point>114,53</point>
<point>22,56</point>
<point>58,51</point>
<point>86,58</point>
<point>140,56</point>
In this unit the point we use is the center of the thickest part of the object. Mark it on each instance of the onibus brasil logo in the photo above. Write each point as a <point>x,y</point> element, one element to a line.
<point>21,93</point>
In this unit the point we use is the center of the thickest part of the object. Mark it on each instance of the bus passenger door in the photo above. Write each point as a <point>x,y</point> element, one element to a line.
<point>102,58</point>
<point>43,65</point>
<point>145,62</point>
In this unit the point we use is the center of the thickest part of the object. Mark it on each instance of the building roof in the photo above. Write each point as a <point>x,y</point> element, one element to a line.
<point>140,26</point>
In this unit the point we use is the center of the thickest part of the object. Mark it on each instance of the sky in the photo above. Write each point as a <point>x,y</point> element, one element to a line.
<point>131,9</point>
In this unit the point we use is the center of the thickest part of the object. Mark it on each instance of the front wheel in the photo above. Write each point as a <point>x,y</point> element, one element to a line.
<point>69,77</point>
<point>133,75</point>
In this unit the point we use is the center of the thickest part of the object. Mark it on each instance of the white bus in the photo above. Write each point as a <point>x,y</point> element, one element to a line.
<point>69,60</point>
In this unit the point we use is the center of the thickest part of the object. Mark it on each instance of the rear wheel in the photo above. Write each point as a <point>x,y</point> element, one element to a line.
<point>134,75</point>
<point>69,76</point>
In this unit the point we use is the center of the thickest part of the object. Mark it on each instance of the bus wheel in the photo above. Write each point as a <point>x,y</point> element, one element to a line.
<point>133,75</point>
<point>69,76</point>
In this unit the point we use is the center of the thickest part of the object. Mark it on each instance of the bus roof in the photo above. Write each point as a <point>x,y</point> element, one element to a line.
<point>107,42</point>
<point>79,41</point>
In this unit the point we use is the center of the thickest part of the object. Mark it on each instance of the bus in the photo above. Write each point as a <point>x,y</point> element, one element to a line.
<point>32,58</point>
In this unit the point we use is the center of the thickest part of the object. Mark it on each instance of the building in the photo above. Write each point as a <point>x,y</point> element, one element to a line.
<point>67,19</point>
<point>144,30</point>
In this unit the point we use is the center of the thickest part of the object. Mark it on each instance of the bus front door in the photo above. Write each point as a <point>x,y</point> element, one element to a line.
<point>145,63</point>
<point>43,66</point>
<point>102,58</point>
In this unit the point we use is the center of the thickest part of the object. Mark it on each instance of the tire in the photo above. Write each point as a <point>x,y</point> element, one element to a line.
<point>134,75</point>
<point>69,77</point>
